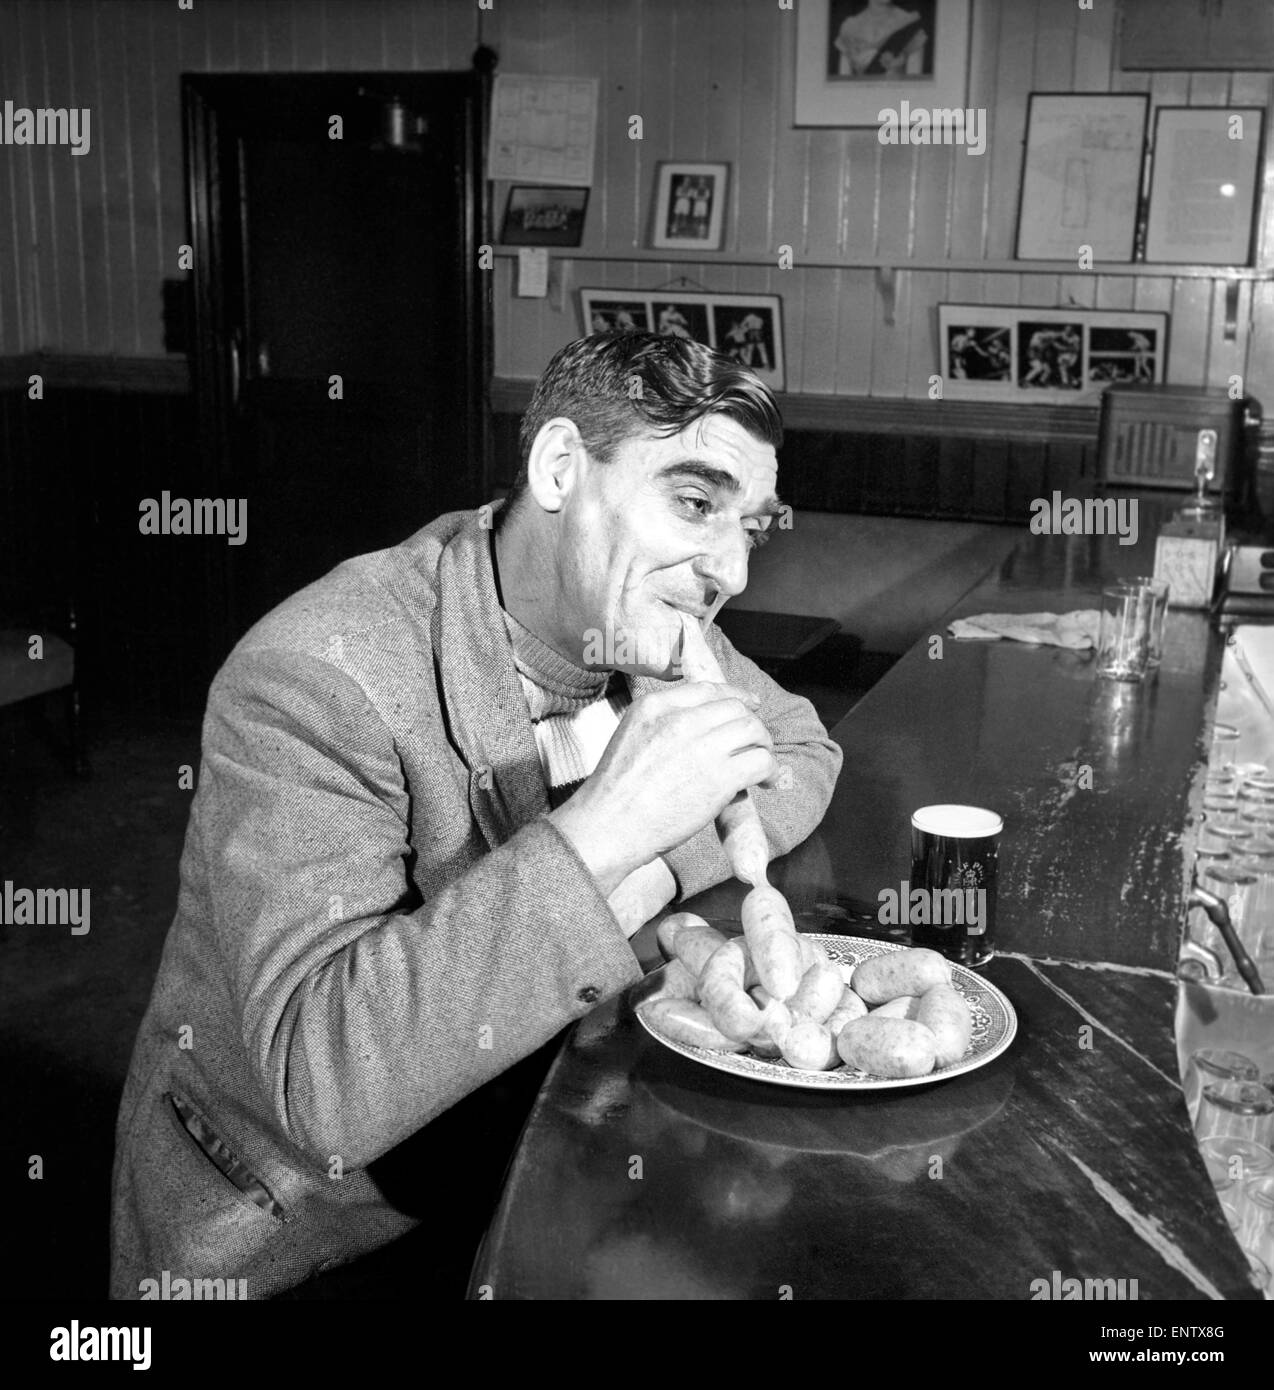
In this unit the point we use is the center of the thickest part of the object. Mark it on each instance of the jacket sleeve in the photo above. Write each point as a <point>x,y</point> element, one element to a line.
<point>365,1011</point>
<point>809,760</point>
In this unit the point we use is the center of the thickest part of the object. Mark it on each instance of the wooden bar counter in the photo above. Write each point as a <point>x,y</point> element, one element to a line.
<point>642,1174</point>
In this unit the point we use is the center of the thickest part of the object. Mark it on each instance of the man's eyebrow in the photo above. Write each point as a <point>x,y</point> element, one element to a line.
<point>717,477</point>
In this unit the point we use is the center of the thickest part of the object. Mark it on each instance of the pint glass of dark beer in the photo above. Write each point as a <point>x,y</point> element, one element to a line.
<point>954,850</point>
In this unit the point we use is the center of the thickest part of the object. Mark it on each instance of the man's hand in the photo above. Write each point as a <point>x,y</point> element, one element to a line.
<point>678,756</point>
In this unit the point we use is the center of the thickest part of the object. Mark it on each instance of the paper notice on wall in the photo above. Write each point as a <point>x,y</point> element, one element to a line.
<point>543,129</point>
<point>533,272</point>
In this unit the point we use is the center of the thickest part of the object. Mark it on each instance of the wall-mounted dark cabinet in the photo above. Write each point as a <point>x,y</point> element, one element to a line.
<point>1196,34</point>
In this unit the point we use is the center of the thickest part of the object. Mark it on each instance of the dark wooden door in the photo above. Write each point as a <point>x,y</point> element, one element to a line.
<point>342,320</point>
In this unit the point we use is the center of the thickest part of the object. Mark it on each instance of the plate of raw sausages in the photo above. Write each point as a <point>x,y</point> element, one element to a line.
<point>799,1009</point>
<point>881,1041</point>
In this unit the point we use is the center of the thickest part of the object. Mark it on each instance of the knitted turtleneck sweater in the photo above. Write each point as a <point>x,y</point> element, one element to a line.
<point>574,712</point>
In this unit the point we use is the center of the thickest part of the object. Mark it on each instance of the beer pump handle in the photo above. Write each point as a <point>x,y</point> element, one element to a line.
<point>1204,464</point>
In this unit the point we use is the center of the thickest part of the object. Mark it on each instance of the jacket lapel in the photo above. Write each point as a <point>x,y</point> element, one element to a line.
<point>485,707</point>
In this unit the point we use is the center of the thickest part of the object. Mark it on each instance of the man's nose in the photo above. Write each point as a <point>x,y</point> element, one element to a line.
<point>725,568</point>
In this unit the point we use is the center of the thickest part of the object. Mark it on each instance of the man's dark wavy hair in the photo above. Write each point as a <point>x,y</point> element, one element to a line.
<point>591,382</point>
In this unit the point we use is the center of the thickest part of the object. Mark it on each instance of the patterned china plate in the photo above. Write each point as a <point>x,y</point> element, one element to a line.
<point>994,1026</point>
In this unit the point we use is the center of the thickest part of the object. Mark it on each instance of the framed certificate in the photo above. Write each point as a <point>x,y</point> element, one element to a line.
<point>1081,176</point>
<point>1203,182</point>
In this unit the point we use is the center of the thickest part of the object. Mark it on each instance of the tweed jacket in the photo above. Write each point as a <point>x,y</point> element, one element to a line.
<point>374,919</point>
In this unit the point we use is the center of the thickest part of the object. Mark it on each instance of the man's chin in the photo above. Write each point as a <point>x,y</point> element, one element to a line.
<point>665,673</point>
<point>653,651</point>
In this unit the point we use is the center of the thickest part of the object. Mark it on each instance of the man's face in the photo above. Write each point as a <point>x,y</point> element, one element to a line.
<point>662,528</point>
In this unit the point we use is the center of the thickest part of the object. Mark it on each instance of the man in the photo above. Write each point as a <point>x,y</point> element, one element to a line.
<point>1142,359</point>
<point>739,349</point>
<point>440,790</point>
<point>672,322</point>
<point>753,326</point>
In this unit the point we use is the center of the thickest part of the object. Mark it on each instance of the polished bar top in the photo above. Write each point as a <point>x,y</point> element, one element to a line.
<point>642,1174</point>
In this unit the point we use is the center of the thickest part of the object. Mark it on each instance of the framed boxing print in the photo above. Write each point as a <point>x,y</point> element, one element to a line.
<point>745,327</point>
<point>867,62</point>
<point>689,206</point>
<point>1061,356</point>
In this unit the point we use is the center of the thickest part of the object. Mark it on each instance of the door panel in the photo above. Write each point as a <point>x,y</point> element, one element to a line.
<point>351,258</point>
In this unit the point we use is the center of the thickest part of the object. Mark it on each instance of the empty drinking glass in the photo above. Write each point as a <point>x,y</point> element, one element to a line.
<point>1157,590</point>
<point>1123,646</point>
<point>1236,1110</point>
<point>1225,837</point>
<point>1235,1161</point>
<point>1222,807</point>
<point>1212,1065</point>
<point>1258,923</point>
<point>1255,1209</point>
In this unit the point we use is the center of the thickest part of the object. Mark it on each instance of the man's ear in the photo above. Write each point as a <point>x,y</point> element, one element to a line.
<point>554,463</point>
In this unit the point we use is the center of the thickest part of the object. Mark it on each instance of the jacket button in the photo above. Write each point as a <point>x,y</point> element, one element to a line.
<point>589,994</point>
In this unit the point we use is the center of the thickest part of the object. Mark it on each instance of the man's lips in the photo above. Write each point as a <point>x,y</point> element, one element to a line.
<point>698,611</point>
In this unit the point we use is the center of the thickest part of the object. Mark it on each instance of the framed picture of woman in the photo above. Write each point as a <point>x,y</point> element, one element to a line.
<point>856,59</point>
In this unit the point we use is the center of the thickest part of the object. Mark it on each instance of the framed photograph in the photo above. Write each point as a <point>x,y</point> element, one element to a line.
<point>1064,356</point>
<point>859,61</point>
<point>681,317</point>
<point>1203,184</point>
<point>690,206</point>
<point>745,327</point>
<point>1081,176</point>
<point>749,329</point>
<point>544,216</point>
<point>608,311</point>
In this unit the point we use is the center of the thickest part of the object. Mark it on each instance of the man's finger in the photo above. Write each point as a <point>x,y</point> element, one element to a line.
<point>688,694</point>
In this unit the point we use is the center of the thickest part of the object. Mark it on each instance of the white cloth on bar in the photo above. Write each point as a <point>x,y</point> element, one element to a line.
<point>1077,630</point>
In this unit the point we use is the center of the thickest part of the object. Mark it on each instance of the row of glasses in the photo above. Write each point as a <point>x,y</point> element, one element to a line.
<point>1232,1109</point>
<point>1231,1104</point>
<point>1235,860</point>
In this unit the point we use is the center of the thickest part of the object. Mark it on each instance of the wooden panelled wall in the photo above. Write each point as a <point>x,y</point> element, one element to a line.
<point>716,82</point>
<point>85,242</point>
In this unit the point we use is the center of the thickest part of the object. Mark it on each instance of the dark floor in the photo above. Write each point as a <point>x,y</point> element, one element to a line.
<point>70,1005</point>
